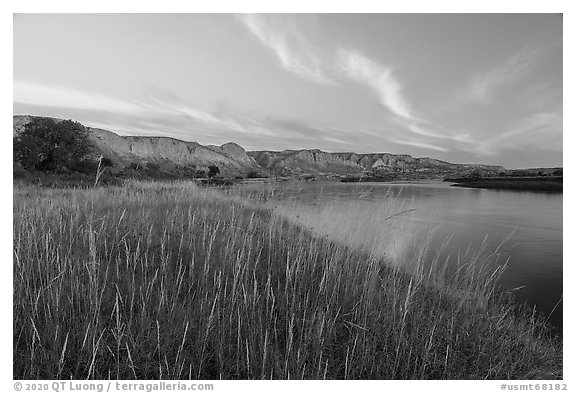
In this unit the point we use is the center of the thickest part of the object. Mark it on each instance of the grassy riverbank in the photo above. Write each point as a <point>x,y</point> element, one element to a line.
<point>172,281</point>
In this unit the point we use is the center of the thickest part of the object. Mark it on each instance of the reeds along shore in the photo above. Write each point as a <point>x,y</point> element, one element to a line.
<point>171,281</point>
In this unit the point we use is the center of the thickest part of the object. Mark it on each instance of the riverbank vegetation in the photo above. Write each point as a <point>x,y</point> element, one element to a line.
<point>537,183</point>
<point>174,281</point>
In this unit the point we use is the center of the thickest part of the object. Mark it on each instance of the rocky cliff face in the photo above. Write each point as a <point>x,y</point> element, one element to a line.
<point>233,160</point>
<point>230,158</point>
<point>298,162</point>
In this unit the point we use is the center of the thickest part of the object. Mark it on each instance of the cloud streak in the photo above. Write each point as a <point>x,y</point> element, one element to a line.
<point>209,119</point>
<point>542,130</point>
<point>483,87</point>
<point>63,97</point>
<point>378,78</point>
<point>420,144</point>
<point>298,56</point>
<point>159,112</point>
<point>289,45</point>
<point>30,93</point>
<point>542,125</point>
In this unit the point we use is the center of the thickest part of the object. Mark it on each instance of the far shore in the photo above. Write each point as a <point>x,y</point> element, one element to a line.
<point>538,183</point>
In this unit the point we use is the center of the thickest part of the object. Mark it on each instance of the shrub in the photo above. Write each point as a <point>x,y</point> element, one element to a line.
<point>253,174</point>
<point>213,170</point>
<point>48,145</point>
<point>18,172</point>
<point>200,174</point>
<point>106,162</point>
<point>84,166</point>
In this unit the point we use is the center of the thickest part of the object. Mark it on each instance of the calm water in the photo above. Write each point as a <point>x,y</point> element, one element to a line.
<point>530,221</point>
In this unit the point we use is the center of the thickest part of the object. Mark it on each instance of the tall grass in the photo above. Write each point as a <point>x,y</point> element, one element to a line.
<point>175,282</point>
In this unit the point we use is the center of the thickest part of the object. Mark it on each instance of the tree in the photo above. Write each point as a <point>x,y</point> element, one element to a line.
<point>213,170</point>
<point>46,144</point>
<point>106,162</point>
<point>200,174</point>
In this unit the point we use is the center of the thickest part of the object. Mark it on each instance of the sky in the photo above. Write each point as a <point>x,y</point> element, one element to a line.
<point>465,88</point>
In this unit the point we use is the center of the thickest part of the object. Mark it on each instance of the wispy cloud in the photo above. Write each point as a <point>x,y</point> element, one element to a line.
<point>223,122</point>
<point>542,96</point>
<point>540,130</point>
<point>483,87</point>
<point>299,56</point>
<point>377,77</point>
<point>539,125</point>
<point>423,129</point>
<point>160,112</point>
<point>419,143</point>
<point>336,140</point>
<point>286,40</point>
<point>63,97</point>
<point>154,107</point>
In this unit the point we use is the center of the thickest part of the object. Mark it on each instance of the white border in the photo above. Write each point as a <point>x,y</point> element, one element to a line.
<point>297,6</point>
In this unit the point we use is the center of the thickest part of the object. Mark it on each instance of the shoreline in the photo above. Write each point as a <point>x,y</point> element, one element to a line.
<point>538,184</point>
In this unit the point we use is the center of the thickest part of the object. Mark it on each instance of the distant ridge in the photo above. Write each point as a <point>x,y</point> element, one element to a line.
<point>233,160</point>
<point>320,162</point>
